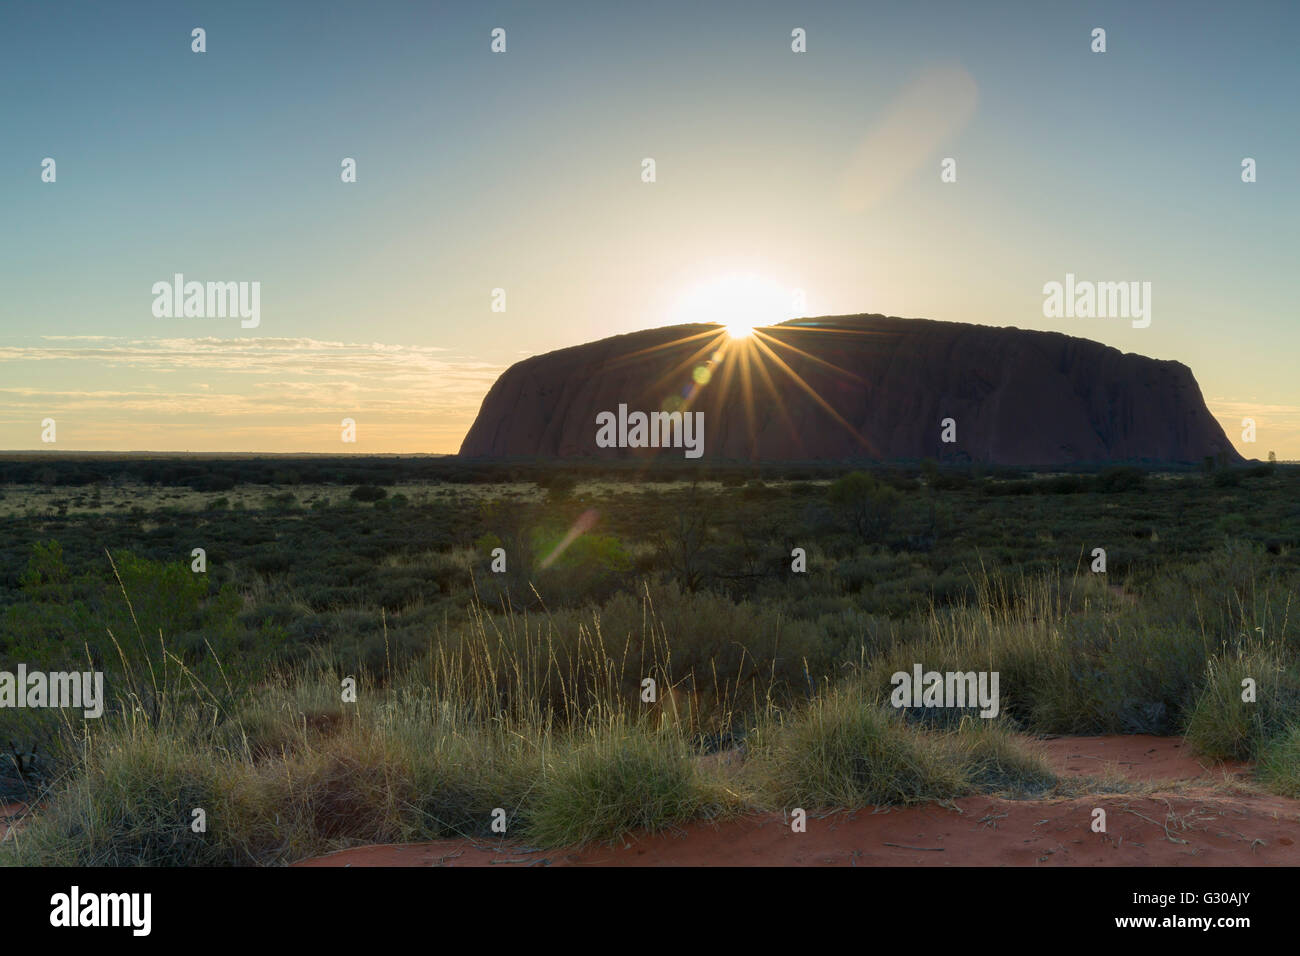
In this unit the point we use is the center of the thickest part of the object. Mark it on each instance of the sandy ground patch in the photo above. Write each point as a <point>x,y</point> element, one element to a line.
<point>1189,813</point>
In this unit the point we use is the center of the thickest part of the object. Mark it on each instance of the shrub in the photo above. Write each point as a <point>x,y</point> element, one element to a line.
<point>1122,479</point>
<point>864,504</point>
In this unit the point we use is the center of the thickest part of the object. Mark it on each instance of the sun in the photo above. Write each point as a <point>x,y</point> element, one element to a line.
<point>738,303</point>
<point>729,355</point>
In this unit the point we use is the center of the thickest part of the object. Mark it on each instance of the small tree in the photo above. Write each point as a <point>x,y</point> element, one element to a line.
<point>558,486</point>
<point>683,545</point>
<point>865,504</point>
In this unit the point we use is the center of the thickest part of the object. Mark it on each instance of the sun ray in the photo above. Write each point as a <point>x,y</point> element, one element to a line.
<point>694,358</point>
<point>747,397</point>
<point>672,343</point>
<point>766,378</point>
<point>735,356</point>
<point>758,333</point>
<point>812,393</point>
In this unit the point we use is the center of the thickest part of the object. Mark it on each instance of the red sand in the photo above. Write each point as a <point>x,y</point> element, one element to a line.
<point>1137,757</point>
<point>1197,826</point>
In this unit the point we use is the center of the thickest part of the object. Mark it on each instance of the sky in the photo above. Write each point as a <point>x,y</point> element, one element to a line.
<point>522,170</point>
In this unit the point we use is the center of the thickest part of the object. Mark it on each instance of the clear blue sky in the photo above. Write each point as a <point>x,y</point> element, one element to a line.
<point>522,171</point>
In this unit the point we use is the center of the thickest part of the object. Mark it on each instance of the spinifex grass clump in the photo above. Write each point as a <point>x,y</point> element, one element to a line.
<point>849,752</point>
<point>1250,696</point>
<point>847,748</point>
<point>995,761</point>
<point>129,804</point>
<point>620,779</point>
<point>1279,763</point>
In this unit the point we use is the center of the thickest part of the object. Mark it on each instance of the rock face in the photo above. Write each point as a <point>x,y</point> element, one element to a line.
<point>858,387</point>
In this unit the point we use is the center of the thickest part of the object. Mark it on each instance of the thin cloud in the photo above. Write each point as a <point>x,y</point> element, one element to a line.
<point>930,111</point>
<point>221,390</point>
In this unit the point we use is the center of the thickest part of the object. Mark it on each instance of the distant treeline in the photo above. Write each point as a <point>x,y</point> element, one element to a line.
<point>223,474</point>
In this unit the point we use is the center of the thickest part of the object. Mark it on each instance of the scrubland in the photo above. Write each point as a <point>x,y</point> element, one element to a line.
<point>521,696</point>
